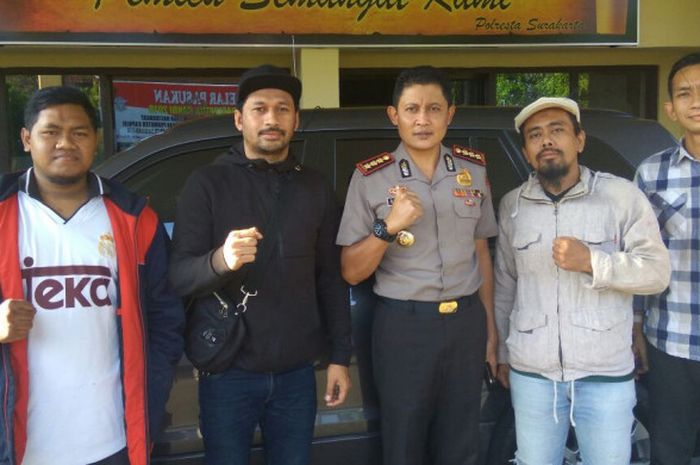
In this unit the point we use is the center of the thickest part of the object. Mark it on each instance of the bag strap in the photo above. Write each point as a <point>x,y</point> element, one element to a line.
<point>272,231</point>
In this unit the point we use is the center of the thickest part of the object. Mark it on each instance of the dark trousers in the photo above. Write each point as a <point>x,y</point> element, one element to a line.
<point>233,403</point>
<point>674,398</point>
<point>428,368</point>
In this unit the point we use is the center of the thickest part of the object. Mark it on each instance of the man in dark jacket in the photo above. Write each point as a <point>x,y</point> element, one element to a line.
<point>300,306</point>
<point>89,328</point>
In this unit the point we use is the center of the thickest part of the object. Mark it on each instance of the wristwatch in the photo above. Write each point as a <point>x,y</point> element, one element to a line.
<point>379,231</point>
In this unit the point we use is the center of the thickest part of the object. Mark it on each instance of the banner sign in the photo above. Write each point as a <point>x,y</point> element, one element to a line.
<point>320,22</point>
<point>142,109</point>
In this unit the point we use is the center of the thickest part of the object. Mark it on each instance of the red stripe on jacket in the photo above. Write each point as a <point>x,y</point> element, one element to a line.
<point>12,289</point>
<point>132,236</point>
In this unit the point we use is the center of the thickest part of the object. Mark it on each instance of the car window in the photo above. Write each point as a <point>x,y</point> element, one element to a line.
<point>348,152</point>
<point>599,156</point>
<point>163,180</point>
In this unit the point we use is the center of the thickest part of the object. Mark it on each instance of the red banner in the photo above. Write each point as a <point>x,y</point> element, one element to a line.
<point>142,109</point>
<point>359,21</point>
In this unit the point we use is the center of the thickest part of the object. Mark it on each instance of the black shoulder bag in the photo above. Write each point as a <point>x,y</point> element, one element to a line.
<point>216,329</point>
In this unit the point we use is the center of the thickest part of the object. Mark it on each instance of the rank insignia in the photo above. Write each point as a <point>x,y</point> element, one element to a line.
<point>465,153</point>
<point>449,163</point>
<point>405,168</point>
<point>369,166</point>
<point>464,178</point>
<point>459,192</point>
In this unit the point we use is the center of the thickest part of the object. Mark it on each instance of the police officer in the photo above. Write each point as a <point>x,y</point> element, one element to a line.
<point>419,218</point>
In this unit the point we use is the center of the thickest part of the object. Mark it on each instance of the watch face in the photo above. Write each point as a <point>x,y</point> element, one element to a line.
<point>379,230</point>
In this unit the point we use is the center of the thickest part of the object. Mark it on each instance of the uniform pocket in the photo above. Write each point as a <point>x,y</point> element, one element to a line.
<point>466,218</point>
<point>462,210</point>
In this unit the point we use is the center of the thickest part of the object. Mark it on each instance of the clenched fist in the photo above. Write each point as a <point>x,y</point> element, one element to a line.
<point>571,254</point>
<point>240,247</point>
<point>16,319</point>
<point>405,210</point>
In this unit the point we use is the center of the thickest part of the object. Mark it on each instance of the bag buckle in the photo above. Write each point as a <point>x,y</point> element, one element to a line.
<point>223,306</point>
<point>244,302</point>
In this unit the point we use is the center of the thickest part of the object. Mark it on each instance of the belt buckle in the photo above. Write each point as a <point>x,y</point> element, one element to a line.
<point>449,306</point>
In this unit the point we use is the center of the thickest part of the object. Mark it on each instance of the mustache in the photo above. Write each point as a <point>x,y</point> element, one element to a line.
<point>272,131</point>
<point>542,152</point>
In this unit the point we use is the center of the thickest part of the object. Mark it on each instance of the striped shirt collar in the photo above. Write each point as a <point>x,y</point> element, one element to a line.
<point>680,154</point>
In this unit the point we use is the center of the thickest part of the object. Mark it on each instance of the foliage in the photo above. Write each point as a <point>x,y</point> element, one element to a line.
<point>19,89</point>
<point>519,89</point>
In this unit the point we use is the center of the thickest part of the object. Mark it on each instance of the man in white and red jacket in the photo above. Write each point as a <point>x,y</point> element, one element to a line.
<point>89,329</point>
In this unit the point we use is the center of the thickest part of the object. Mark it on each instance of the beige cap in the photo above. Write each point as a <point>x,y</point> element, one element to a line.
<point>543,103</point>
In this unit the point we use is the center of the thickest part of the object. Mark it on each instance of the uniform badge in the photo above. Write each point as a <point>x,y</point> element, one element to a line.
<point>476,193</point>
<point>465,153</point>
<point>464,178</point>
<point>105,246</point>
<point>375,163</point>
<point>457,192</point>
<point>470,202</point>
<point>405,238</point>
<point>405,168</point>
<point>449,163</point>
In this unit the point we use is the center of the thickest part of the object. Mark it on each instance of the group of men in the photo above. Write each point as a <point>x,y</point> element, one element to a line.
<point>85,265</point>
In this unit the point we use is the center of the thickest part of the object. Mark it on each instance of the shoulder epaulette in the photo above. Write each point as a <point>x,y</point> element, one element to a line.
<point>377,162</point>
<point>465,153</point>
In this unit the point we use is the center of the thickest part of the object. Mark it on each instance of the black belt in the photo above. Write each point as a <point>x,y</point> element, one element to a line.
<point>444,307</point>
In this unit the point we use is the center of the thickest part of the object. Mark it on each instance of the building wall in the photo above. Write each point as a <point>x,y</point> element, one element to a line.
<point>668,30</point>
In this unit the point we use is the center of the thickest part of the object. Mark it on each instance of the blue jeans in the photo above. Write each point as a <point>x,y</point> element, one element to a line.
<point>602,413</point>
<point>233,403</point>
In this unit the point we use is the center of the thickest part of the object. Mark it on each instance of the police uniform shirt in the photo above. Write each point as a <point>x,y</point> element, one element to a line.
<point>457,208</point>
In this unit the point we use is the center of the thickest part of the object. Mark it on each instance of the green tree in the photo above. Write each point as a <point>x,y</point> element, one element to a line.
<point>519,89</point>
<point>19,89</point>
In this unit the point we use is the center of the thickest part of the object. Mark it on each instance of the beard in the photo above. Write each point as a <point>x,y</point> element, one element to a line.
<point>66,180</point>
<point>553,171</point>
<point>272,148</point>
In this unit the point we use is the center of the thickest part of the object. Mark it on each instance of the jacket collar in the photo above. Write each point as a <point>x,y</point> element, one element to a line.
<point>27,184</point>
<point>532,189</point>
<point>236,155</point>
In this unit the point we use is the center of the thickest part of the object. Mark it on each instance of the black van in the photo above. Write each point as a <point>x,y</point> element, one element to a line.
<point>332,141</point>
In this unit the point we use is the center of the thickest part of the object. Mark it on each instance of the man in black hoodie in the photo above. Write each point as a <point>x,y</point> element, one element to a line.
<point>301,306</point>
